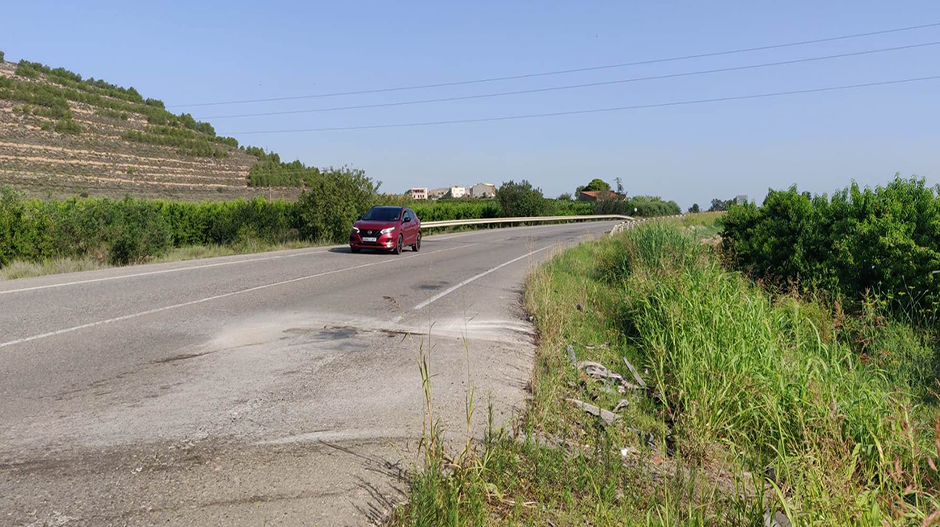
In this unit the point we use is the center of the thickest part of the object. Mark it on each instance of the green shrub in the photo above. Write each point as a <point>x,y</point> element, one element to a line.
<point>27,70</point>
<point>132,230</point>
<point>24,230</point>
<point>140,233</point>
<point>334,199</point>
<point>456,210</point>
<point>270,172</point>
<point>640,206</point>
<point>1,56</point>
<point>520,199</point>
<point>565,207</point>
<point>67,125</point>
<point>883,241</point>
<point>187,142</point>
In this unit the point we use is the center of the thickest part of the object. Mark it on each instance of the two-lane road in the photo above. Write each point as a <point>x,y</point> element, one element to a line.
<point>270,389</point>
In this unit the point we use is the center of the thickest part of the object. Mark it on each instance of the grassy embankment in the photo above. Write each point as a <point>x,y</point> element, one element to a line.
<point>756,403</point>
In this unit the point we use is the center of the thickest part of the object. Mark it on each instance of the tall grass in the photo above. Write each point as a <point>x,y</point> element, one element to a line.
<point>768,386</point>
<point>759,403</point>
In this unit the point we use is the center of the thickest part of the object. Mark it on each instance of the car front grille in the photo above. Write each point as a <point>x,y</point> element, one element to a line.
<point>370,233</point>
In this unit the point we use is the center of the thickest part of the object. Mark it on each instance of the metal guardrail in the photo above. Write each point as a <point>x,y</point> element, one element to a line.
<point>489,221</point>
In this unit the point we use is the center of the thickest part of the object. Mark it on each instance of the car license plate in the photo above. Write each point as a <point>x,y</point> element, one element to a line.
<point>368,239</point>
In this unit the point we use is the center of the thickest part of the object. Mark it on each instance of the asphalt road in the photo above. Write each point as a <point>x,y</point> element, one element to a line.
<point>270,389</point>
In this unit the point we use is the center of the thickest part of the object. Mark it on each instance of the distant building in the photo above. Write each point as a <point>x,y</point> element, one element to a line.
<point>418,193</point>
<point>456,192</point>
<point>483,190</point>
<point>597,195</point>
<point>437,193</point>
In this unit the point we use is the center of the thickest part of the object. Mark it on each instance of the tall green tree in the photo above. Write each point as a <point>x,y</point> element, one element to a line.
<point>520,199</point>
<point>597,184</point>
<point>333,200</point>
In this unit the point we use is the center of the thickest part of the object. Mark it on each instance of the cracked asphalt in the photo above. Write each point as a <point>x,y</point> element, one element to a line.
<point>269,389</point>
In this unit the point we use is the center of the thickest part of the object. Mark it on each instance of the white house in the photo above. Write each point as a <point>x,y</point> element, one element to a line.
<point>483,190</point>
<point>457,192</point>
<point>418,193</point>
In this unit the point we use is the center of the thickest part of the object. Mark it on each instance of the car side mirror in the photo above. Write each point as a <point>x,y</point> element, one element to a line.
<point>406,220</point>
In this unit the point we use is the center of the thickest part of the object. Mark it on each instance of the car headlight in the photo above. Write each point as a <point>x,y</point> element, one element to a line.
<point>355,229</point>
<point>388,230</point>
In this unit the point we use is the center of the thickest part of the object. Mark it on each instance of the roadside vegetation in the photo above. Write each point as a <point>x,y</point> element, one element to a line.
<point>859,244</point>
<point>45,235</point>
<point>761,401</point>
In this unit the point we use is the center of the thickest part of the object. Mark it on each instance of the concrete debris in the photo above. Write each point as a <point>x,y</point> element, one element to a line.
<point>636,374</point>
<point>598,371</point>
<point>572,356</point>
<point>622,404</point>
<point>629,451</point>
<point>606,416</point>
<point>776,519</point>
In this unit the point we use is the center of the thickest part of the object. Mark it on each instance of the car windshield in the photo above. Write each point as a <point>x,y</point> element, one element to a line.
<point>382,214</point>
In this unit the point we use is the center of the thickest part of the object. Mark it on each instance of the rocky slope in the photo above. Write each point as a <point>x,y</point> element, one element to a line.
<point>60,136</point>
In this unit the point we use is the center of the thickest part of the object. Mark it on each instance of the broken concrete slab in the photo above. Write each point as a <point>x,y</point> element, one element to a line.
<point>607,416</point>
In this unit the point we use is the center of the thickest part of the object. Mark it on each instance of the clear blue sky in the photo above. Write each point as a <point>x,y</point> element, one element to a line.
<point>193,52</point>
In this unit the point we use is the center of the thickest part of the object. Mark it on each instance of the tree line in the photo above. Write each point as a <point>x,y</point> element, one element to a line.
<point>134,230</point>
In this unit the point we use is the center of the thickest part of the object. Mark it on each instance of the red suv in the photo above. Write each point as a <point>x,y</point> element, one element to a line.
<point>388,228</point>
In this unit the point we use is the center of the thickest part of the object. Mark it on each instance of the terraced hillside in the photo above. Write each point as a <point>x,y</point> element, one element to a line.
<point>64,135</point>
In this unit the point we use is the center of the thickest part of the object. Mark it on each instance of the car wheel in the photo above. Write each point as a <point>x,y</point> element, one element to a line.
<point>417,245</point>
<point>355,249</point>
<point>401,241</point>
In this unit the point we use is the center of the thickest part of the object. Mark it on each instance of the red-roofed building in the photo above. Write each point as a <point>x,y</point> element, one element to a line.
<point>597,195</point>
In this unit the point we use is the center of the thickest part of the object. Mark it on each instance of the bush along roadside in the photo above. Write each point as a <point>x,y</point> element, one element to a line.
<point>860,244</point>
<point>756,407</point>
<point>101,231</point>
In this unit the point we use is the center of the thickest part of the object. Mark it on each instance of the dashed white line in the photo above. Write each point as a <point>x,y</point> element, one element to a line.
<point>215,297</point>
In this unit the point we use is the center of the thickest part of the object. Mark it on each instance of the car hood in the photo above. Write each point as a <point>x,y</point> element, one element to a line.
<point>374,225</point>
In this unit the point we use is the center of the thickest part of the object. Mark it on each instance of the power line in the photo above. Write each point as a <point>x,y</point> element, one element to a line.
<point>568,71</point>
<point>595,110</point>
<point>578,86</point>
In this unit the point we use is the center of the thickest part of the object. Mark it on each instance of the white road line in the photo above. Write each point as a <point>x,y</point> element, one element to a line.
<point>216,297</point>
<point>164,271</point>
<point>450,290</point>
